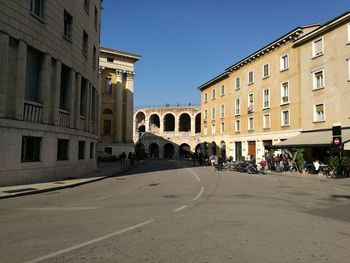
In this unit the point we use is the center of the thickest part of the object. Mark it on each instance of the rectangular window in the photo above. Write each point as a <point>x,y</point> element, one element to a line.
<point>64,90</point>
<point>109,59</point>
<point>285,93</point>
<point>266,98</point>
<point>266,71</point>
<point>108,150</point>
<point>107,127</point>
<point>285,118</point>
<point>85,45</point>
<point>250,123</point>
<point>30,149</point>
<point>250,77</point>
<point>222,111</point>
<point>62,149</point>
<point>237,126</point>
<point>222,128</point>
<point>83,96</point>
<point>266,121</point>
<point>96,19</point>
<point>222,90</point>
<point>250,103</point>
<point>36,8</point>
<point>205,114</point>
<point>317,47</point>
<point>205,97</point>
<point>237,106</point>
<point>318,79</point>
<point>213,113</point>
<point>92,150</point>
<point>87,5</point>
<point>238,83</point>
<point>213,94</point>
<point>33,75</point>
<point>213,128</point>
<point>81,150</point>
<point>319,113</point>
<point>68,25</point>
<point>108,86</point>
<point>205,130</point>
<point>284,62</point>
<point>94,59</point>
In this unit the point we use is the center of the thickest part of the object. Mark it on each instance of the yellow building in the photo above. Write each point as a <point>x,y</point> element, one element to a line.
<point>297,83</point>
<point>117,92</point>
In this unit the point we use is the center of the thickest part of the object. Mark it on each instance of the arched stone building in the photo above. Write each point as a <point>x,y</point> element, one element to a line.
<point>167,132</point>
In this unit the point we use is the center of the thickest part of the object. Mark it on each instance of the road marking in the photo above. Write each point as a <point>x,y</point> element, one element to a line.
<point>195,174</point>
<point>199,194</point>
<point>55,254</point>
<point>52,208</point>
<point>180,208</point>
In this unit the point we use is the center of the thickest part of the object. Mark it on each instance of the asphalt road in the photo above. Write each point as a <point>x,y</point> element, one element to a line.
<point>165,212</point>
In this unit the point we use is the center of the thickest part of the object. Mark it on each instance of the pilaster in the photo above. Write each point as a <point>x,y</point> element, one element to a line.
<point>71,96</point>
<point>118,111</point>
<point>4,51</point>
<point>45,87</point>
<point>56,94</point>
<point>129,106</point>
<point>77,101</point>
<point>88,106</point>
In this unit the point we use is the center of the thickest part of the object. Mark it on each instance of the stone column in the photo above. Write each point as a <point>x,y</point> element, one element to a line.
<point>21,79</point>
<point>177,122</point>
<point>193,125</point>
<point>71,96</point>
<point>118,110</point>
<point>147,124</point>
<point>129,106</point>
<point>45,87</point>
<point>161,125</point>
<point>88,106</point>
<point>55,95</point>
<point>77,101</point>
<point>4,51</point>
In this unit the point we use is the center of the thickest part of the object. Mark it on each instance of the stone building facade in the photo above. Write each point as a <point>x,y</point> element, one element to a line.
<point>117,98</point>
<point>167,132</point>
<point>48,89</point>
<point>281,91</point>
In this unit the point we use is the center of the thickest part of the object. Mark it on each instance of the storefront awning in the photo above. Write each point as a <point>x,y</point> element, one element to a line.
<point>313,139</point>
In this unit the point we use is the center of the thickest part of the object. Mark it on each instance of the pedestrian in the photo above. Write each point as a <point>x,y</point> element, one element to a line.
<point>220,163</point>
<point>263,164</point>
<point>212,162</point>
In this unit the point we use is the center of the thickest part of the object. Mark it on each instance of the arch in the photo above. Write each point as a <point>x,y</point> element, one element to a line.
<point>140,151</point>
<point>140,117</point>
<point>223,149</point>
<point>154,123</point>
<point>153,150</point>
<point>168,151</point>
<point>142,128</point>
<point>198,123</point>
<point>185,151</point>
<point>184,122</point>
<point>169,122</point>
<point>107,111</point>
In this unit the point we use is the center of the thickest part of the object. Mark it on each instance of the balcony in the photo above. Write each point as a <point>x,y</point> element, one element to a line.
<point>250,109</point>
<point>32,111</point>
<point>63,118</point>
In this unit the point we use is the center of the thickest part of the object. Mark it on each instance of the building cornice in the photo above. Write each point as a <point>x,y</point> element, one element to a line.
<point>119,53</point>
<point>323,28</point>
<point>291,36</point>
<point>214,80</point>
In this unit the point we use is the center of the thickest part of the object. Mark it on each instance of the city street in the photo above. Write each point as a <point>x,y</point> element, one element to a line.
<point>169,211</point>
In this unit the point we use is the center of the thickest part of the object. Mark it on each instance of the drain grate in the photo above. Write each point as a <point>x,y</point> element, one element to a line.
<point>19,190</point>
<point>170,196</point>
<point>154,184</point>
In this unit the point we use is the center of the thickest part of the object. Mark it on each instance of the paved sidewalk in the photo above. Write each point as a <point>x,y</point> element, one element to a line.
<point>104,171</point>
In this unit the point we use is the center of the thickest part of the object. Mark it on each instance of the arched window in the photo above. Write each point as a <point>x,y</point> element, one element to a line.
<point>107,111</point>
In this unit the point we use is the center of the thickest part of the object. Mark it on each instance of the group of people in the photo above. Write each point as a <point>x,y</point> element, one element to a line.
<point>126,161</point>
<point>278,163</point>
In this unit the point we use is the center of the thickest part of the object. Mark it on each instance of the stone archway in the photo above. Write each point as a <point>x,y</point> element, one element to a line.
<point>154,123</point>
<point>185,151</point>
<point>169,122</point>
<point>153,151</point>
<point>168,151</point>
<point>185,122</point>
<point>140,117</point>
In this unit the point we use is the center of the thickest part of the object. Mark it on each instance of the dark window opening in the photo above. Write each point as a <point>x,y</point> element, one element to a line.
<point>92,150</point>
<point>68,25</point>
<point>65,82</point>
<point>83,96</point>
<point>85,46</point>
<point>109,59</point>
<point>169,122</point>
<point>198,123</point>
<point>107,127</point>
<point>36,8</point>
<point>30,149</point>
<point>108,150</point>
<point>62,149</point>
<point>185,123</point>
<point>81,150</point>
<point>96,18</point>
<point>154,123</point>
<point>34,65</point>
<point>87,5</point>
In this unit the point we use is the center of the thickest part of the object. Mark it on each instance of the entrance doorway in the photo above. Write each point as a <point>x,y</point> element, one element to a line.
<point>238,150</point>
<point>252,148</point>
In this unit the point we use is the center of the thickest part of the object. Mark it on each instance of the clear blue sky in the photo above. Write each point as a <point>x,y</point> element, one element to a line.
<point>185,43</point>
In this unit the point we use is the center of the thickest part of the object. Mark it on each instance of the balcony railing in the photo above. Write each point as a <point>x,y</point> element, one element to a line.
<point>32,111</point>
<point>64,118</point>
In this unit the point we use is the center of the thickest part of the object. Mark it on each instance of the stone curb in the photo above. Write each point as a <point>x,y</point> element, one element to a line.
<point>54,188</point>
